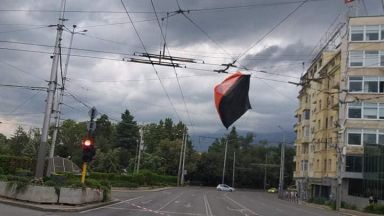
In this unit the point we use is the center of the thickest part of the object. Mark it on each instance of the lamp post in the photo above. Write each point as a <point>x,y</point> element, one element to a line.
<point>282,163</point>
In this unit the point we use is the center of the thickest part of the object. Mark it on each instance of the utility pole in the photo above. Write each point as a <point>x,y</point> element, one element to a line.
<point>140,149</point>
<point>58,104</point>
<point>225,159</point>
<point>181,156</point>
<point>265,172</point>
<point>233,169</point>
<point>282,163</point>
<point>51,93</point>
<point>182,168</point>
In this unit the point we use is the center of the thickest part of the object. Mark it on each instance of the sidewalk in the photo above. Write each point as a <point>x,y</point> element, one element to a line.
<point>53,207</point>
<point>347,212</point>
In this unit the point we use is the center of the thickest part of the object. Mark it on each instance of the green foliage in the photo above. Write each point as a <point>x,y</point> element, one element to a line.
<point>10,164</point>
<point>20,183</point>
<point>143,178</point>
<point>375,208</point>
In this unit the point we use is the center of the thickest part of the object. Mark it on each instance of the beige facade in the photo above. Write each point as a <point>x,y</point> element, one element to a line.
<point>341,110</point>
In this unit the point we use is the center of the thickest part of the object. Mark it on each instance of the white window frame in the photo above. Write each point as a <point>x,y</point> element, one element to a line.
<point>356,81</point>
<point>362,133</point>
<point>365,29</point>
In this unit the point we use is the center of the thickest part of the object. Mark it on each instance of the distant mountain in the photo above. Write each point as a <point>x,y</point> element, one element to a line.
<point>203,141</point>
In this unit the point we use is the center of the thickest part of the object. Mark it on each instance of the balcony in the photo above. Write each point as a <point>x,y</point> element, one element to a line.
<point>306,139</point>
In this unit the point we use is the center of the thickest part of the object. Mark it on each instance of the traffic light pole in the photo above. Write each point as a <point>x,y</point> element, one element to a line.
<point>83,172</point>
<point>88,144</point>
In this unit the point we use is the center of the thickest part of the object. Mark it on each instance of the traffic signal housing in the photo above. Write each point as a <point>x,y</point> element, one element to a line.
<point>89,150</point>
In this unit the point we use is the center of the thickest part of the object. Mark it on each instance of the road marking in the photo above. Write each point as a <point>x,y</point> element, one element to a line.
<point>188,205</point>
<point>166,204</point>
<point>207,206</point>
<point>242,206</point>
<point>146,202</point>
<point>124,201</point>
<point>181,213</point>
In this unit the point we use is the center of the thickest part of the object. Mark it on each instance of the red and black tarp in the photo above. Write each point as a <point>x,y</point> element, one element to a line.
<point>231,98</point>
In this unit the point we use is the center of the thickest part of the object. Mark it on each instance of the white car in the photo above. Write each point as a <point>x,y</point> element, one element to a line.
<point>224,187</point>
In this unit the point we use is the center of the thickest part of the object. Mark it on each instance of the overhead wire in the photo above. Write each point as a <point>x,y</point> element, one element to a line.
<point>271,30</point>
<point>155,70</point>
<point>174,69</point>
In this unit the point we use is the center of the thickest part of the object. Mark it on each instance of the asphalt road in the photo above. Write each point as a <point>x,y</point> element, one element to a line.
<point>189,201</point>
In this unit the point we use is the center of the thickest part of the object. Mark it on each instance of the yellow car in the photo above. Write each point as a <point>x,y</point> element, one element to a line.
<point>272,190</point>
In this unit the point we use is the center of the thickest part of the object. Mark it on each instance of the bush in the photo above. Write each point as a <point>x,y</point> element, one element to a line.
<point>375,208</point>
<point>9,164</point>
<point>143,178</point>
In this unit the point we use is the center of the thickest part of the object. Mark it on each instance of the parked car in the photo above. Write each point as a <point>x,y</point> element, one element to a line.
<point>224,187</point>
<point>272,190</point>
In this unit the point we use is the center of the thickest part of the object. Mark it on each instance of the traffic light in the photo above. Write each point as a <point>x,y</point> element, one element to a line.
<point>89,150</point>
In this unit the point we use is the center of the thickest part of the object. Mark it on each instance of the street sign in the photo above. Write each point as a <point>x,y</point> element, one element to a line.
<point>93,112</point>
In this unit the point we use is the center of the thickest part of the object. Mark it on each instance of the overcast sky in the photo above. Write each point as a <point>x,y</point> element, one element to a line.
<point>216,36</point>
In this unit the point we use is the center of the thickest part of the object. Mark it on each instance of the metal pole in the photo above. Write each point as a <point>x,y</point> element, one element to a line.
<point>282,163</point>
<point>225,159</point>
<point>181,156</point>
<point>83,172</point>
<point>265,172</point>
<point>140,148</point>
<point>51,92</point>
<point>58,104</point>
<point>233,169</point>
<point>182,168</point>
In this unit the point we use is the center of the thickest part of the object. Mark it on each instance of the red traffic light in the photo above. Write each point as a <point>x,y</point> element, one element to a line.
<point>87,142</point>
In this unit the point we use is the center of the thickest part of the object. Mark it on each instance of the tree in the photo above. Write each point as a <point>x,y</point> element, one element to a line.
<point>18,141</point>
<point>104,134</point>
<point>31,148</point>
<point>127,138</point>
<point>71,135</point>
<point>4,147</point>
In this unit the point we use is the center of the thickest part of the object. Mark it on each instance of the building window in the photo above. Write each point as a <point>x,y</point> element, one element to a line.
<point>355,84</point>
<point>356,58</point>
<point>370,111</point>
<point>370,84</point>
<point>372,32</point>
<point>369,137</point>
<point>381,111</point>
<point>354,163</point>
<point>371,58</point>
<point>306,114</point>
<point>354,138</point>
<point>329,164</point>
<point>354,110</point>
<point>357,33</point>
<point>331,122</point>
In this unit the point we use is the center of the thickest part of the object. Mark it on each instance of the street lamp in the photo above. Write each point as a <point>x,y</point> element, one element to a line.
<point>282,158</point>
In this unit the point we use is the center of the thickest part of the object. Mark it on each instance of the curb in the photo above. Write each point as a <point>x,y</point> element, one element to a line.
<point>342,211</point>
<point>56,208</point>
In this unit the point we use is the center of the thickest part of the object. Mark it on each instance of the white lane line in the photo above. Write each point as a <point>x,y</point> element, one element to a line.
<point>181,213</point>
<point>124,201</point>
<point>207,206</point>
<point>242,206</point>
<point>166,204</point>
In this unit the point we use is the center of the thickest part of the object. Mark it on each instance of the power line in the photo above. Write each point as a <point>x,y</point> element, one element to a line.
<point>174,69</point>
<point>156,72</point>
<point>271,30</point>
<point>21,70</point>
<point>159,12</point>
<point>35,88</point>
<point>25,29</point>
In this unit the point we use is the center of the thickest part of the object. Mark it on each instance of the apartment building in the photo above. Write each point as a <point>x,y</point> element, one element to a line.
<point>340,119</point>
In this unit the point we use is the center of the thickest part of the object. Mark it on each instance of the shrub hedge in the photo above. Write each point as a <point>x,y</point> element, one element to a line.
<point>9,164</point>
<point>375,208</point>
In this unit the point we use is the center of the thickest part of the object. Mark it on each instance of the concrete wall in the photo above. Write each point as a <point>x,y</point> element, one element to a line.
<point>42,194</point>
